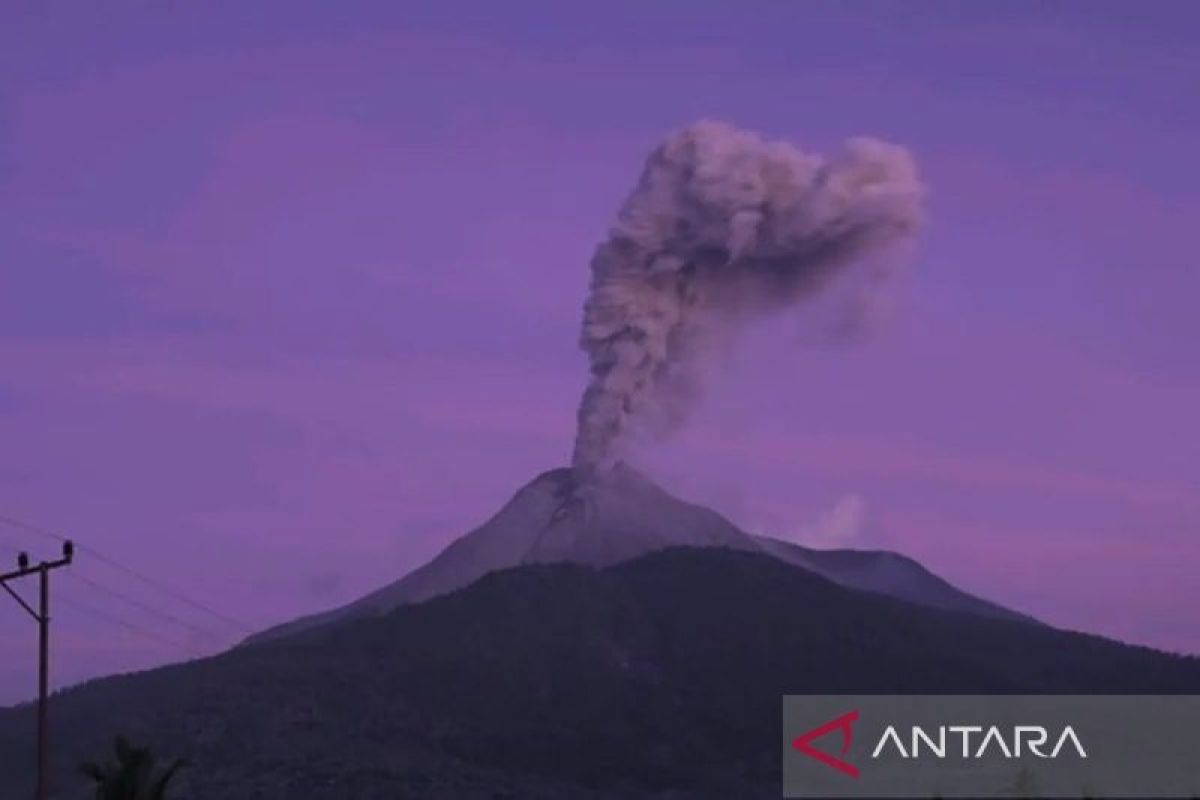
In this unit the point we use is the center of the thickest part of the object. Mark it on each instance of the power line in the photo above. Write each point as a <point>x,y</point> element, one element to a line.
<point>151,582</point>
<point>113,593</point>
<point>11,545</point>
<point>41,615</point>
<point>149,609</point>
<point>97,586</point>
<point>115,620</point>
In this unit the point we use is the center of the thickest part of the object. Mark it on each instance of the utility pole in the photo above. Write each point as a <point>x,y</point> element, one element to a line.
<point>42,617</point>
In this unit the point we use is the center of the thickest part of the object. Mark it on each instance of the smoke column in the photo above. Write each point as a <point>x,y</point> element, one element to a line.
<point>722,227</point>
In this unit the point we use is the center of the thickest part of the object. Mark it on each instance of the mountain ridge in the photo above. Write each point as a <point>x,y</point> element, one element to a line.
<point>616,515</point>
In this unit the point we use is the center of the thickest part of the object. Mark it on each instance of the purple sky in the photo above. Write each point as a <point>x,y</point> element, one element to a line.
<point>289,298</point>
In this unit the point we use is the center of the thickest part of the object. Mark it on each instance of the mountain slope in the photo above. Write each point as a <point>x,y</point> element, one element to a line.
<point>888,573</point>
<point>617,515</point>
<point>659,674</point>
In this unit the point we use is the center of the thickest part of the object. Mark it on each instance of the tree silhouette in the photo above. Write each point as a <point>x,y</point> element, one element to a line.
<point>132,775</point>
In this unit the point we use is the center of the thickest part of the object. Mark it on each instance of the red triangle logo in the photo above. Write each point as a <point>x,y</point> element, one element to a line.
<point>845,724</point>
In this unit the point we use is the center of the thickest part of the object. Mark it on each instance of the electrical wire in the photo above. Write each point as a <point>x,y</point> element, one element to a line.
<point>151,582</point>
<point>149,609</point>
<point>92,611</point>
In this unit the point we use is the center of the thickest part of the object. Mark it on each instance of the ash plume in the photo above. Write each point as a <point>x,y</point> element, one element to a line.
<point>722,227</point>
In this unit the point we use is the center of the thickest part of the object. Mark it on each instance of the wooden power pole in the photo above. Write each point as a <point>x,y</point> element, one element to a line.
<point>42,617</point>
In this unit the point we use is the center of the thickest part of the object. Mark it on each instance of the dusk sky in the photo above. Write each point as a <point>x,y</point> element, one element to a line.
<point>290,297</point>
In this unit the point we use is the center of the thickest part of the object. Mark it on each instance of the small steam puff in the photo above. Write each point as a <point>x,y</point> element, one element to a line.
<point>723,226</point>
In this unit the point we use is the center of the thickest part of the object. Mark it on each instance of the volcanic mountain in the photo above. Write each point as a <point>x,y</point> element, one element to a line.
<point>616,515</point>
<point>655,678</point>
<point>646,662</point>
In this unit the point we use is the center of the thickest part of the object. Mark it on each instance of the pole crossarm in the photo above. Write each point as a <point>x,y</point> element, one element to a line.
<point>20,600</point>
<point>33,569</point>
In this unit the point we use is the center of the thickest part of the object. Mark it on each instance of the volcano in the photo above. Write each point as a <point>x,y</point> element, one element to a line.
<point>646,662</point>
<point>658,677</point>
<point>614,515</point>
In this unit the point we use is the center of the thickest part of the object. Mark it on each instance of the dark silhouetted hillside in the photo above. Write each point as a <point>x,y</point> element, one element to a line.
<point>660,677</point>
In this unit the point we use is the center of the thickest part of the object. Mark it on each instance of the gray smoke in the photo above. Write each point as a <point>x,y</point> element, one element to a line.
<point>723,226</point>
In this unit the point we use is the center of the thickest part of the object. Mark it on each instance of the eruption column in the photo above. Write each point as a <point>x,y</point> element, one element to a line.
<point>722,226</point>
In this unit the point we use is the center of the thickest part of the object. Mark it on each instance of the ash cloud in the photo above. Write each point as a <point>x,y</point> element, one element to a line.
<point>722,227</point>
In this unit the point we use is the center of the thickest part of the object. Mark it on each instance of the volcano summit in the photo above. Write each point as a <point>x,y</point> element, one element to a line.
<point>605,517</point>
